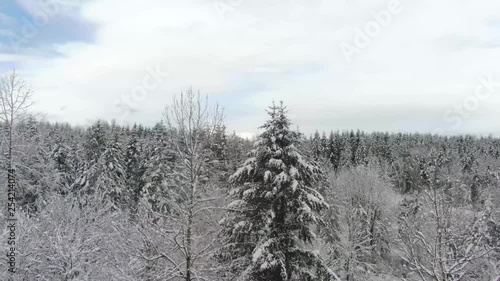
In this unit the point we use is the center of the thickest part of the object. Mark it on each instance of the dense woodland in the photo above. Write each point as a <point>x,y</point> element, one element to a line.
<point>187,200</point>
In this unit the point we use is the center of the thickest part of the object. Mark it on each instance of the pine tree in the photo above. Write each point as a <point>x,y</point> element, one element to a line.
<point>317,148</point>
<point>110,182</point>
<point>158,181</point>
<point>62,167</point>
<point>275,211</point>
<point>219,143</point>
<point>346,155</point>
<point>132,167</point>
<point>335,150</point>
<point>35,176</point>
<point>96,143</point>
<point>87,170</point>
<point>102,177</point>
<point>324,145</point>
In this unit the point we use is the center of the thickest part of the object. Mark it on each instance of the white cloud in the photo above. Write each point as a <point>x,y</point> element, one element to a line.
<point>429,57</point>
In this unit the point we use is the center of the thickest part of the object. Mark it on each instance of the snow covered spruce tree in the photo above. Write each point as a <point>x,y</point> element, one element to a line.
<point>102,176</point>
<point>133,169</point>
<point>271,231</point>
<point>159,180</point>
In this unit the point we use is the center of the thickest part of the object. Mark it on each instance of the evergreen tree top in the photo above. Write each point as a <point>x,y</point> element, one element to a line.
<point>279,207</point>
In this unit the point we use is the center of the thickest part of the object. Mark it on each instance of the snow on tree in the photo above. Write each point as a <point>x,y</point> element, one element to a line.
<point>111,181</point>
<point>133,171</point>
<point>158,180</point>
<point>366,204</point>
<point>335,150</point>
<point>218,144</point>
<point>96,142</point>
<point>67,242</point>
<point>35,176</point>
<point>15,100</point>
<point>63,170</point>
<point>93,148</point>
<point>236,148</point>
<point>316,146</point>
<point>275,211</point>
<point>103,176</point>
<point>441,241</point>
<point>184,206</point>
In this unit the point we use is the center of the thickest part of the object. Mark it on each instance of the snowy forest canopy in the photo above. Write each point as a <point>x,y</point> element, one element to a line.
<point>186,200</point>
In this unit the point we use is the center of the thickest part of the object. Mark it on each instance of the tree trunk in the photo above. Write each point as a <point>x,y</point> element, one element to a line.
<point>189,235</point>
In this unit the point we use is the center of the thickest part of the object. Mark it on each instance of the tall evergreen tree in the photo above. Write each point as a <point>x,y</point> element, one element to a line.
<point>335,148</point>
<point>317,148</point>
<point>219,143</point>
<point>110,182</point>
<point>96,142</point>
<point>35,175</point>
<point>103,175</point>
<point>62,167</point>
<point>159,183</point>
<point>132,167</point>
<point>277,206</point>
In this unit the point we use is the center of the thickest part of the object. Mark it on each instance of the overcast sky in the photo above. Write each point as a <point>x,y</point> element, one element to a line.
<point>380,65</point>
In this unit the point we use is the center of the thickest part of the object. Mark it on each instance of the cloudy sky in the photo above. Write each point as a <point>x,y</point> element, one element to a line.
<point>381,65</point>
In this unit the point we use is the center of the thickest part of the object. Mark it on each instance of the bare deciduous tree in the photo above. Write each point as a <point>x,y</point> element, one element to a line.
<point>15,99</point>
<point>192,122</point>
<point>440,242</point>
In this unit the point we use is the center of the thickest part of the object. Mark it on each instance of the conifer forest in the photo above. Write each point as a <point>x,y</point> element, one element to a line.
<point>249,140</point>
<point>187,200</point>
